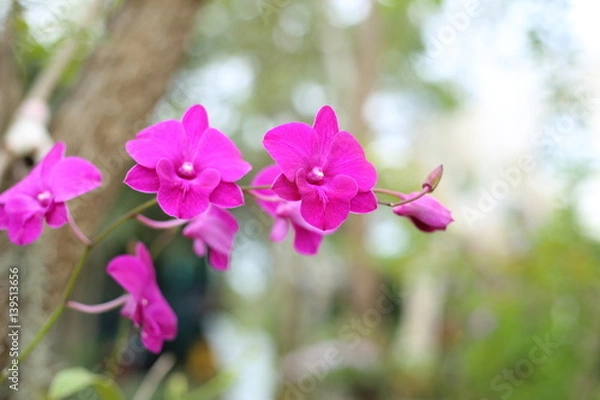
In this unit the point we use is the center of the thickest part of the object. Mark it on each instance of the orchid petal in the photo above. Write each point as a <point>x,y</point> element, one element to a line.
<point>142,253</point>
<point>227,195</point>
<point>165,139</point>
<point>363,203</point>
<point>221,154</point>
<point>181,198</point>
<point>160,324</point>
<point>57,215</point>
<point>3,218</point>
<point>142,179</point>
<point>218,260</point>
<point>305,241</point>
<point>131,273</point>
<point>216,228</point>
<point>50,160</point>
<point>200,248</point>
<point>293,146</point>
<point>72,177</point>
<point>23,230</point>
<point>22,205</point>
<point>280,229</point>
<point>267,176</point>
<point>326,126</point>
<point>347,157</point>
<point>285,189</point>
<point>195,122</point>
<point>326,207</point>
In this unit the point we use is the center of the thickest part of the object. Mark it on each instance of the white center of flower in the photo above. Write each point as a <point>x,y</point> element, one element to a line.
<point>315,175</point>
<point>144,302</point>
<point>44,198</point>
<point>186,170</point>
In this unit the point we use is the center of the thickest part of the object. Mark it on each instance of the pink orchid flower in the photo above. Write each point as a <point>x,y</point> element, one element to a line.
<point>213,233</point>
<point>188,164</point>
<point>426,213</point>
<point>42,194</point>
<point>146,306</point>
<point>307,239</point>
<point>324,168</point>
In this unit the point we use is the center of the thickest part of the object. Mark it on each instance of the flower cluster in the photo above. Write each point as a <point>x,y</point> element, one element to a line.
<point>320,176</point>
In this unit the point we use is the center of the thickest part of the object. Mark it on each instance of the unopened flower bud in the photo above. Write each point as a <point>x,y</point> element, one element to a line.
<point>434,178</point>
<point>426,213</point>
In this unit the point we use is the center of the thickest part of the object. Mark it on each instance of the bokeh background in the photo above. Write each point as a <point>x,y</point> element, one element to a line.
<point>504,93</point>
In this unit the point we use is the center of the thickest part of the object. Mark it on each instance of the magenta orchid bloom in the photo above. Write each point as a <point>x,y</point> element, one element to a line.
<point>146,306</point>
<point>324,168</point>
<point>426,213</point>
<point>42,194</point>
<point>307,239</point>
<point>213,232</point>
<point>188,164</point>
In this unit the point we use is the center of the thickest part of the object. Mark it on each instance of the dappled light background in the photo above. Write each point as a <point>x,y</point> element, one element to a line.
<point>504,304</point>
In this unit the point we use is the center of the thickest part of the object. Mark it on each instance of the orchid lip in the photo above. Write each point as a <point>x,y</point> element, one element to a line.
<point>315,176</point>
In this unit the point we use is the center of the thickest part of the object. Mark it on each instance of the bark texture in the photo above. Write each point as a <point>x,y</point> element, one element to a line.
<point>117,90</point>
<point>11,90</point>
<point>118,87</point>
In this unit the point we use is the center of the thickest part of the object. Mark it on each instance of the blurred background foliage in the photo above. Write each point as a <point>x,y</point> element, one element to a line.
<point>502,305</point>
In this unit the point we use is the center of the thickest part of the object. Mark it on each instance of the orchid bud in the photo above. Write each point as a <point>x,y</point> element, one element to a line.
<point>426,213</point>
<point>434,178</point>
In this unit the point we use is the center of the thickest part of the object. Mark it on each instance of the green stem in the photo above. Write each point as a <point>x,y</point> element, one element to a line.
<point>57,312</point>
<point>72,280</point>
<point>426,189</point>
<point>114,363</point>
<point>388,192</point>
<point>249,188</point>
<point>102,235</point>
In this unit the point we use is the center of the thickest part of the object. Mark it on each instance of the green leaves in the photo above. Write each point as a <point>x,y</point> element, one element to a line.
<point>74,380</point>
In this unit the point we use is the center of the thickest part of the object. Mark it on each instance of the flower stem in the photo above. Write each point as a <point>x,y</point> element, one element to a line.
<point>113,364</point>
<point>98,308</point>
<point>58,311</point>
<point>262,197</point>
<point>102,235</point>
<point>249,188</point>
<point>160,224</point>
<point>77,231</point>
<point>155,375</point>
<point>389,192</point>
<point>405,199</point>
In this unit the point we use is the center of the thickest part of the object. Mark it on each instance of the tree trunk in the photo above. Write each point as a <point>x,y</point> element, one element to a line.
<point>118,87</point>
